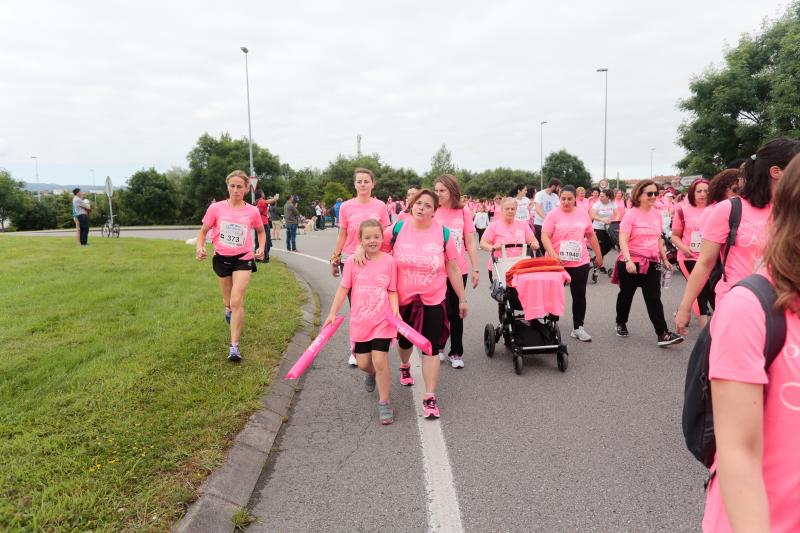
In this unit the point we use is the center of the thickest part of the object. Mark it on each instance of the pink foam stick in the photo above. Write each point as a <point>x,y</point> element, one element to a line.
<point>313,349</point>
<point>414,336</point>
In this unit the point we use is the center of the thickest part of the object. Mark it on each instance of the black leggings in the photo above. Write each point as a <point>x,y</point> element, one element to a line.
<point>651,290</point>
<point>604,240</point>
<point>456,322</point>
<point>577,288</point>
<point>706,295</point>
<point>432,323</point>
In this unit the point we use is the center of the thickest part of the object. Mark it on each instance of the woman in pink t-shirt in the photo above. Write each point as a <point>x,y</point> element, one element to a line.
<point>619,201</point>
<point>426,261</point>
<point>642,256</point>
<point>457,218</point>
<point>757,411</point>
<point>506,231</point>
<point>762,172</point>
<point>686,238</point>
<point>231,223</point>
<point>564,233</point>
<point>372,288</point>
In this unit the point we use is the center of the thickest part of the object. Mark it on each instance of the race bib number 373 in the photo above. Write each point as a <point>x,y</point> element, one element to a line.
<point>231,234</point>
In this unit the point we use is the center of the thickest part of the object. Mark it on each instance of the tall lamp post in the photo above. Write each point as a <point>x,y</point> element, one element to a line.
<point>249,127</point>
<point>541,154</point>
<point>38,192</point>
<point>652,151</point>
<point>605,122</point>
<point>94,187</point>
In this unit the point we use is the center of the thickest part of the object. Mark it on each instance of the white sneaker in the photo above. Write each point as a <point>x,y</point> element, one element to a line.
<point>581,335</point>
<point>456,361</point>
<point>352,361</point>
<point>441,356</point>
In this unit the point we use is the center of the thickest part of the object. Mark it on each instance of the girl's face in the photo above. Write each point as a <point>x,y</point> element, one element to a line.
<point>371,239</point>
<point>595,195</point>
<point>649,196</point>
<point>603,198</point>
<point>567,200</point>
<point>509,211</point>
<point>701,193</point>
<point>236,189</point>
<point>363,184</point>
<point>443,194</point>
<point>423,208</point>
<point>522,192</point>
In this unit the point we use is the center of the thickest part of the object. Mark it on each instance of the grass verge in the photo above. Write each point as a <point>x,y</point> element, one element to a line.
<point>116,400</point>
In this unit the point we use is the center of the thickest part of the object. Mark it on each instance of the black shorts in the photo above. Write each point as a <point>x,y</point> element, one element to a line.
<point>225,266</point>
<point>378,345</point>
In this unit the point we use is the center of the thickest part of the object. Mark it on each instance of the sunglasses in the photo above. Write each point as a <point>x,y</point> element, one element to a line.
<point>650,193</point>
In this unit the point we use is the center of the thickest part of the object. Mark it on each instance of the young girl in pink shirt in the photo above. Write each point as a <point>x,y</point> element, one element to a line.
<point>757,410</point>
<point>231,223</point>
<point>373,289</point>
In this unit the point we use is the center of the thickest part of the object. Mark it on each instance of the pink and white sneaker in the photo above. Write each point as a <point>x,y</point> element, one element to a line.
<point>405,375</point>
<point>430,409</point>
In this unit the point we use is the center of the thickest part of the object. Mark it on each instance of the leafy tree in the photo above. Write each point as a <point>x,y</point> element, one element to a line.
<point>151,198</point>
<point>394,182</point>
<point>567,168</point>
<point>210,161</point>
<point>35,215</point>
<point>753,97</point>
<point>500,180</point>
<point>332,191</point>
<point>341,170</point>
<point>441,163</point>
<point>12,197</point>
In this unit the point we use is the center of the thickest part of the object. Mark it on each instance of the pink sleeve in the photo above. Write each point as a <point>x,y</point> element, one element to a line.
<point>385,220</point>
<point>738,331</point>
<point>450,250</point>
<point>469,225</point>
<point>549,223</point>
<point>677,220</point>
<point>343,216</point>
<point>210,218</point>
<point>626,224</point>
<point>392,275</point>
<point>489,233</point>
<point>347,274</point>
<point>256,220</point>
<point>717,228</point>
<point>528,232</point>
<point>589,229</point>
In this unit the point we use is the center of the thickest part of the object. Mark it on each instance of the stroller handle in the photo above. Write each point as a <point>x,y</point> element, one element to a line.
<point>503,251</point>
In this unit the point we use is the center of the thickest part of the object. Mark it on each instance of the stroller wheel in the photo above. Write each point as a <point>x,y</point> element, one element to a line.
<point>594,275</point>
<point>562,359</point>
<point>488,340</point>
<point>519,363</point>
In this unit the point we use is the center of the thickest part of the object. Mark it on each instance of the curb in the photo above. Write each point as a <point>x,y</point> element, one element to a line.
<point>230,486</point>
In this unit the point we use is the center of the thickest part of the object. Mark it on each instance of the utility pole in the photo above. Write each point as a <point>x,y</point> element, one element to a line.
<point>358,145</point>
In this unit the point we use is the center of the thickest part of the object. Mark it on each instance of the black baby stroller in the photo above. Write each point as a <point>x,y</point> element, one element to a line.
<point>521,336</point>
<point>612,230</point>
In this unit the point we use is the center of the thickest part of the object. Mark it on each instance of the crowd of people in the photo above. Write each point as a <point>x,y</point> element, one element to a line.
<point>413,259</point>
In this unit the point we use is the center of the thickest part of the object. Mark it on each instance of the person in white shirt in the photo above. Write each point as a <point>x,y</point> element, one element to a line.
<point>545,201</point>
<point>81,209</point>
<point>603,212</point>
<point>519,193</point>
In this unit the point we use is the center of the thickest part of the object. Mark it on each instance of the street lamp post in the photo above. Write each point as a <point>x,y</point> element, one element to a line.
<point>541,154</point>
<point>249,127</point>
<point>605,122</point>
<point>652,151</point>
<point>94,186</point>
<point>38,192</point>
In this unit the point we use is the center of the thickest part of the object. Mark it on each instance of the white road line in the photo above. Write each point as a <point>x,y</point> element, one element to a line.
<point>444,514</point>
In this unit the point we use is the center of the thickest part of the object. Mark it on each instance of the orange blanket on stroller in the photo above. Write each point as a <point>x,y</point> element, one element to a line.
<point>536,264</point>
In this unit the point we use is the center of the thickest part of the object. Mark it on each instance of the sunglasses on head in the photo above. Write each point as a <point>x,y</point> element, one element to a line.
<point>650,193</point>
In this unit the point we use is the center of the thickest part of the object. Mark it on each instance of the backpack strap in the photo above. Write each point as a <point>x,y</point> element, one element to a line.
<point>734,218</point>
<point>775,318</point>
<point>395,231</point>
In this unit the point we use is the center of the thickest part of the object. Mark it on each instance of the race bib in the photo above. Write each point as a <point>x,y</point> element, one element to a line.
<point>231,234</point>
<point>694,243</point>
<point>570,251</point>
<point>458,235</point>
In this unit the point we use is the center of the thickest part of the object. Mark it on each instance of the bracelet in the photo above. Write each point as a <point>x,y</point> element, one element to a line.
<point>462,302</point>
<point>476,270</point>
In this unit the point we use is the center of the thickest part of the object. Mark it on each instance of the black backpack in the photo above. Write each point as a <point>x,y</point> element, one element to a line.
<point>698,417</point>
<point>718,273</point>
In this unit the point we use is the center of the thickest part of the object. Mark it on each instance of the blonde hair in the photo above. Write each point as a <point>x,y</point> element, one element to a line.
<point>782,253</point>
<point>237,174</point>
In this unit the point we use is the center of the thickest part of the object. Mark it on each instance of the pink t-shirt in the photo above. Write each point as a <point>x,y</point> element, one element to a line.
<point>498,232</point>
<point>737,354</point>
<point>690,231</point>
<point>232,228</point>
<point>404,215</point>
<point>644,230</point>
<point>352,213</point>
<point>584,204</point>
<point>421,261</point>
<point>370,286</point>
<point>459,222</point>
<point>568,232</point>
<point>620,209</point>
<point>750,240</point>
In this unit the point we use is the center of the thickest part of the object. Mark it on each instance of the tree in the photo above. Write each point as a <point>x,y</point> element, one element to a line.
<point>210,161</point>
<point>500,181</point>
<point>151,198</point>
<point>341,170</point>
<point>35,215</point>
<point>567,168</point>
<point>441,163</point>
<point>332,191</point>
<point>12,197</point>
<point>394,182</point>
<point>753,97</point>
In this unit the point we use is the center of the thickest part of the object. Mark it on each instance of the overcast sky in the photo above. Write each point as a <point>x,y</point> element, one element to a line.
<point>117,86</point>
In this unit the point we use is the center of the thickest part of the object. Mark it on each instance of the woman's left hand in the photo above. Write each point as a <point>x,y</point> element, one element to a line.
<point>669,266</point>
<point>259,255</point>
<point>475,278</point>
<point>462,309</point>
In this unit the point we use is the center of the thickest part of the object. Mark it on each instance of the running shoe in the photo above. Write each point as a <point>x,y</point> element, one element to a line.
<point>456,361</point>
<point>622,330</point>
<point>667,338</point>
<point>603,270</point>
<point>369,382</point>
<point>385,413</point>
<point>228,315</point>
<point>405,375</point>
<point>429,407</point>
<point>352,361</point>
<point>580,334</point>
<point>441,356</point>
<point>234,355</point>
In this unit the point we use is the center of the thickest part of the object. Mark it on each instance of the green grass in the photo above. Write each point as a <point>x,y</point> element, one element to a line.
<point>116,400</point>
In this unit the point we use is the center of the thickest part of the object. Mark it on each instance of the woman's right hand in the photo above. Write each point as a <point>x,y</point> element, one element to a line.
<point>328,320</point>
<point>630,266</point>
<point>360,256</point>
<point>335,269</point>
<point>200,253</point>
<point>682,320</point>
